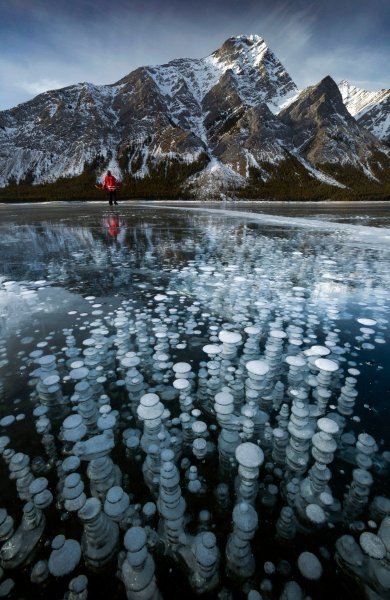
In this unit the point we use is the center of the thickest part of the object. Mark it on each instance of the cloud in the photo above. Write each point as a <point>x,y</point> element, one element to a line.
<point>57,44</point>
<point>42,85</point>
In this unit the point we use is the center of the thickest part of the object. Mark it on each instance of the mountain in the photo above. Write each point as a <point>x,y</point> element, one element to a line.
<point>230,123</point>
<point>370,109</point>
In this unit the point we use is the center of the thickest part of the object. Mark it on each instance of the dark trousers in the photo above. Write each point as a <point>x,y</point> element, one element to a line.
<point>112,196</point>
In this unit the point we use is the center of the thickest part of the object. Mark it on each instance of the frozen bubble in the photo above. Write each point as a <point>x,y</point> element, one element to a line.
<point>135,539</point>
<point>51,380</point>
<point>326,365</point>
<point>181,368</point>
<point>278,334</point>
<point>149,509</point>
<point>181,384</point>
<point>353,372</point>
<point>315,514</point>
<point>366,322</point>
<point>229,337</point>
<point>269,568</point>
<point>249,455</point>
<point>6,587</point>
<point>6,421</point>
<point>372,545</point>
<point>257,367</point>
<point>317,351</point>
<point>79,373</point>
<point>295,361</point>
<point>328,425</point>
<point>309,566</point>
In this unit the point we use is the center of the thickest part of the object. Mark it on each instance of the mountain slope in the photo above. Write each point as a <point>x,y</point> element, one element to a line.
<point>325,132</point>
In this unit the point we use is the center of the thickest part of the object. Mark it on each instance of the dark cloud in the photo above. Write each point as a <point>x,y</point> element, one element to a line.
<point>45,42</point>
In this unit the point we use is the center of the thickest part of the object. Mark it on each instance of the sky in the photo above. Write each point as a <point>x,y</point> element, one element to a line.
<point>48,44</point>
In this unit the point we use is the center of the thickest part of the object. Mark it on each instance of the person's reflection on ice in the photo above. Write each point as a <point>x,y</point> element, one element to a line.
<point>113,227</point>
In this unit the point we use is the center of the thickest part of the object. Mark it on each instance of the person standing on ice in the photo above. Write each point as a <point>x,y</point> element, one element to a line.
<point>111,184</point>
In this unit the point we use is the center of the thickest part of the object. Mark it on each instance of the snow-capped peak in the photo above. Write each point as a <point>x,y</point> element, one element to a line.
<point>358,100</point>
<point>370,108</point>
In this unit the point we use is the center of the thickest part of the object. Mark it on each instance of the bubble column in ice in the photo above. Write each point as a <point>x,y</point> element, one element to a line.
<point>205,575</point>
<point>380,569</point>
<point>116,503</point>
<point>366,447</point>
<point>255,389</point>
<point>171,505</point>
<point>296,372</point>
<point>43,426</point>
<point>230,342</point>
<point>48,386</point>
<point>19,467</point>
<point>86,406</point>
<point>279,446</point>
<point>19,548</point>
<point>103,474</point>
<point>73,492</point>
<point>161,367</point>
<point>150,411</point>
<point>134,380</point>
<point>103,343</point>
<point>6,525</point>
<point>251,349</point>
<point>202,384</point>
<point>274,351</point>
<point>249,457</point>
<point>297,452</point>
<point>41,496</point>
<point>229,437</point>
<point>326,368</point>
<point>151,468</point>
<point>357,497</point>
<point>72,431</point>
<point>100,537</point>
<point>323,449</point>
<point>78,589</point>
<point>183,386</point>
<point>182,370</point>
<point>286,525</point>
<point>71,351</point>
<point>346,400</point>
<point>138,568</point>
<point>239,557</point>
<point>64,468</point>
<point>278,395</point>
<point>255,384</point>
<point>122,338</point>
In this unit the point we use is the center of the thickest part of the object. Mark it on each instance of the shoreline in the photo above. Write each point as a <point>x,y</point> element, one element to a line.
<point>200,202</point>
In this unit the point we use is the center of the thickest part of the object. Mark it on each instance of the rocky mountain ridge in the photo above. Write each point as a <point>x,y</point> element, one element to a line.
<point>232,123</point>
<point>370,109</point>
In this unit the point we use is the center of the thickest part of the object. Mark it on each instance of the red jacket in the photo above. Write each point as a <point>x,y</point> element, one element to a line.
<point>110,183</point>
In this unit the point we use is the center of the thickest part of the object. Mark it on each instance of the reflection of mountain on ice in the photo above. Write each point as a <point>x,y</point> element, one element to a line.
<point>356,233</point>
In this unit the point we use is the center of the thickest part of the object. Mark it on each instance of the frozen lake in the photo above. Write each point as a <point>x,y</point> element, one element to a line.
<point>115,300</point>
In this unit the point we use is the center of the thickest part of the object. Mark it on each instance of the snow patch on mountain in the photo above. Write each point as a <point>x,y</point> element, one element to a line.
<point>214,180</point>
